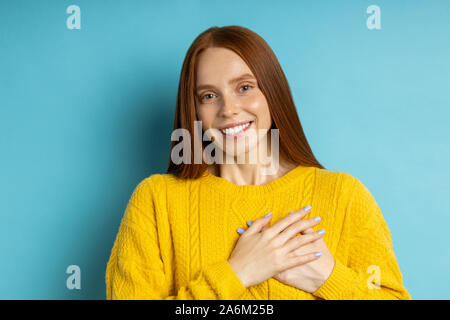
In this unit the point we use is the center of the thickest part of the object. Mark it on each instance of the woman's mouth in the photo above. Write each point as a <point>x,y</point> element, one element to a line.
<point>236,131</point>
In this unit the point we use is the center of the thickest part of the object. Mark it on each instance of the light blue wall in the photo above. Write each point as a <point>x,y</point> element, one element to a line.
<point>86,114</point>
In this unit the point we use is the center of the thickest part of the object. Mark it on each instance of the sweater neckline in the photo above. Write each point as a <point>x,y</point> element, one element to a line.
<point>278,184</point>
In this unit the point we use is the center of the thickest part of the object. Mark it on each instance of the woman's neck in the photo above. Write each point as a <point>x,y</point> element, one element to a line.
<point>250,174</point>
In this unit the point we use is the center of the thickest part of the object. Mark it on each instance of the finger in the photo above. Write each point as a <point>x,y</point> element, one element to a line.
<point>302,240</point>
<point>296,260</point>
<point>296,228</point>
<point>309,230</point>
<point>257,225</point>
<point>249,223</point>
<point>306,248</point>
<point>288,220</point>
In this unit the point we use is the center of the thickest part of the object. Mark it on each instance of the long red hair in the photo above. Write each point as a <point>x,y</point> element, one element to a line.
<point>261,60</point>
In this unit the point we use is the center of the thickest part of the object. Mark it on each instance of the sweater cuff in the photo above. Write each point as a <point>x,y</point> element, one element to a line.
<point>341,279</point>
<point>225,281</point>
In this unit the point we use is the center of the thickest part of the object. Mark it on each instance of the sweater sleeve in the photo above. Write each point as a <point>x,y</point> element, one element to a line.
<point>371,271</point>
<point>136,269</point>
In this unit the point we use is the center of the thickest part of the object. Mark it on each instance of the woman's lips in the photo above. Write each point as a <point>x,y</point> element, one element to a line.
<point>238,134</point>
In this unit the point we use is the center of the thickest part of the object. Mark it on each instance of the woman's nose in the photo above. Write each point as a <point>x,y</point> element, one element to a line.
<point>230,107</point>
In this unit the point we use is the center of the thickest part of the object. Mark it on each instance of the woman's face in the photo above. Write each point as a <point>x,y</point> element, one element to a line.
<point>229,103</point>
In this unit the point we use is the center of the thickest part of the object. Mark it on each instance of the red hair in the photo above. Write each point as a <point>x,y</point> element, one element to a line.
<point>261,60</point>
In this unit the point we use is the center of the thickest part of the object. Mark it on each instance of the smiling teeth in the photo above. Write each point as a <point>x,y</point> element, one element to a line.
<point>234,130</point>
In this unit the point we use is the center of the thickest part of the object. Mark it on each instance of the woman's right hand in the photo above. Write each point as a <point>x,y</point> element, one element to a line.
<point>260,253</point>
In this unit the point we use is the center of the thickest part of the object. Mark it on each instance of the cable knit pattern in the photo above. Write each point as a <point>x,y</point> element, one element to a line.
<point>194,229</point>
<point>176,236</point>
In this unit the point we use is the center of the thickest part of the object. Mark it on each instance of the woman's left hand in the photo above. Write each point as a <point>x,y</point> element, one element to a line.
<point>310,276</point>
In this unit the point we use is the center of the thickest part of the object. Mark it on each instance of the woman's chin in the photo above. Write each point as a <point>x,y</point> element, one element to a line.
<point>242,152</point>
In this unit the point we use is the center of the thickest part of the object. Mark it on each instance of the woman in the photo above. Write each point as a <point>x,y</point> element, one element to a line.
<point>211,228</point>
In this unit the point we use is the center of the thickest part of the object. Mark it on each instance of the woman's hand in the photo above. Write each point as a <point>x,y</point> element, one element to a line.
<point>309,276</point>
<point>263,252</point>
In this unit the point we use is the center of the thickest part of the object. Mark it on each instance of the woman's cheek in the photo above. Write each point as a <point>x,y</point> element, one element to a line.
<point>260,109</point>
<point>206,117</point>
<point>256,102</point>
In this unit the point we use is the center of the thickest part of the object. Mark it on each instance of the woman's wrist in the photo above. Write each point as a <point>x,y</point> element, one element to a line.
<point>238,273</point>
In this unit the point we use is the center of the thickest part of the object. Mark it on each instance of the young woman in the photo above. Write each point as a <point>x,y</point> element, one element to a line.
<point>210,229</point>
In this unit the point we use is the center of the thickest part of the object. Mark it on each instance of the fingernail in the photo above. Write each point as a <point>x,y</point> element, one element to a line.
<point>249,223</point>
<point>318,254</point>
<point>291,212</point>
<point>269,214</point>
<point>321,232</point>
<point>317,218</point>
<point>240,230</point>
<point>307,208</point>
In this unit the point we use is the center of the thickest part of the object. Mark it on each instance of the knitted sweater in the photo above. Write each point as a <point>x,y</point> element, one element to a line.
<point>176,236</point>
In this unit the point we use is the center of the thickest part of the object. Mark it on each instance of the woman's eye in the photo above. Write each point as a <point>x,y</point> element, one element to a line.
<point>207,96</point>
<point>246,86</point>
<point>210,96</point>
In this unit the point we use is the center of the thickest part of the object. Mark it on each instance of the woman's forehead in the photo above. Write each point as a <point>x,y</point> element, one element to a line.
<point>220,65</point>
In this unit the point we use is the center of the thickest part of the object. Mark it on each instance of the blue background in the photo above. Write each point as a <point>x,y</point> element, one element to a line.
<point>86,114</point>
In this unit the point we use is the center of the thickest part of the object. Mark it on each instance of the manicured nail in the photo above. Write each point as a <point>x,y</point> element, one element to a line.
<point>321,232</point>
<point>317,218</point>
<point>318,254</point>
<point>307,208</point>
<point>249,223</point>
<point>291,212</point>
<point>269,214</point>
<point>240,230</point>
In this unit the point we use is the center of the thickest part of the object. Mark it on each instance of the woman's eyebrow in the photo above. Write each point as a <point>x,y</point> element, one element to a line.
<point>241,77</point>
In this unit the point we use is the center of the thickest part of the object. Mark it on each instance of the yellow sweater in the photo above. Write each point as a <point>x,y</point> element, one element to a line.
<point>176,236</point>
